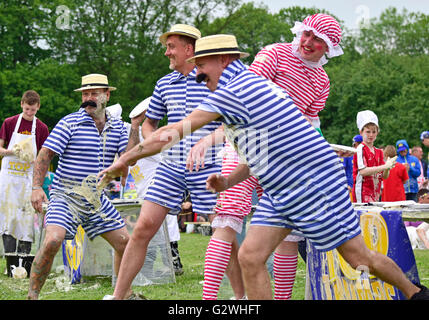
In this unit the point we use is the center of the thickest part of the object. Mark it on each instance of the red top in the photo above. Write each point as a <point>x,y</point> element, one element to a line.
<point>6,131</point>
<point>368,188</point>
<point>393,186</point>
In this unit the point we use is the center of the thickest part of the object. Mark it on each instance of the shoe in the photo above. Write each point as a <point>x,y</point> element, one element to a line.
<point>109,297</point>
<point>423,294</point>
<point>178,271</point>
<point>137,296</point>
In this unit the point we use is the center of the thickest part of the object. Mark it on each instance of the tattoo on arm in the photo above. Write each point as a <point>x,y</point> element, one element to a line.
<point>134,138</point>
<point>41,166</point>
<point>140,147</point>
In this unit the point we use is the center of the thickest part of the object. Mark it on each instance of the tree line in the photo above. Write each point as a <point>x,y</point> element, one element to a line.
<point>49,46</point>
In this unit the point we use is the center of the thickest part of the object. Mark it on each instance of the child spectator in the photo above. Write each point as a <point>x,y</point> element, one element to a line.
<point>393,186</point>
<point>368,163</point>
<point>412,165</point>
<point>357,140</point>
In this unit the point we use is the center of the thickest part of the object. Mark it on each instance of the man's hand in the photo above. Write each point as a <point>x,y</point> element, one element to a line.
<point>38,197</point>
<point>196,156</point>
<point>217,183</point>
<point>117,169</point>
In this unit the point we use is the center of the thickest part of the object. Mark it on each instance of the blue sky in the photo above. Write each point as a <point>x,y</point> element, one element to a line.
<point>350,11</point>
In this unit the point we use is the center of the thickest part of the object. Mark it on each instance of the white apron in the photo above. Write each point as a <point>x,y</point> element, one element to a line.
<point>17,216</point>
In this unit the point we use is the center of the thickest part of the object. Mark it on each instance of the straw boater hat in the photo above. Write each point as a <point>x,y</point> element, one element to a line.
<point>95,81</point>
<point>181,29</point>
<point>215,45</point>
<point>140,108</point>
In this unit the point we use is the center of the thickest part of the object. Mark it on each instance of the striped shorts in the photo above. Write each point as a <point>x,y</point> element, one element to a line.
<point>327,221</point>
<point>170,182</point>
<point>69,211</point>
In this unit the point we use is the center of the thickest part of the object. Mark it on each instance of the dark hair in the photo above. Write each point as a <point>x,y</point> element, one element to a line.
<point>422,193</point>
<point>30,97</point>
<point>188,40</point>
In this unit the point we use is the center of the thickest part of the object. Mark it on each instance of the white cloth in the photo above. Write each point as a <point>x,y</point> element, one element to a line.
<point>17,216</point>
<point>416,242</point>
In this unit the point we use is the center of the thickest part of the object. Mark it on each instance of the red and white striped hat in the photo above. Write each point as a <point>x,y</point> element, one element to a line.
<point>325,27</point>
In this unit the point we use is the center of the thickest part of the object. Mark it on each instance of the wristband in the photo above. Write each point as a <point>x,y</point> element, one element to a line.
<point>36,188</point>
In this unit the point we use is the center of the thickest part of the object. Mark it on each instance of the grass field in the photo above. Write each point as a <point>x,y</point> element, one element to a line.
<point>187,287</point>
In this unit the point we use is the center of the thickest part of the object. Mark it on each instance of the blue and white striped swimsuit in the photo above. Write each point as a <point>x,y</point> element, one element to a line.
<point>304,183</point>
<point>176,96</point>
<point>83,153</point>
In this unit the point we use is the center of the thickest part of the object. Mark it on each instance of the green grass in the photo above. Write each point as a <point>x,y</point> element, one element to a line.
<point>187,287</point>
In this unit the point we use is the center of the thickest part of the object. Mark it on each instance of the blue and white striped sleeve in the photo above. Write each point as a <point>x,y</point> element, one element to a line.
<point>157,109</point>
<point>123,142</point>
<point>59,137</point>
<point>228,105</point>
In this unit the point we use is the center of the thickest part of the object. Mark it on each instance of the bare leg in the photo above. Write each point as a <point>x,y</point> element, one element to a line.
<point>357,254</point>
<point>259,243</point>
<point>150,220</point>
<point>42,263</point>
<point>233,272</point>
<point>118,239</point>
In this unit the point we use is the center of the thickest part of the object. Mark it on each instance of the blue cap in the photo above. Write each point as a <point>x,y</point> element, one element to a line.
<point>401,147</point>
<point>357,138</point>
<point>424,135</point>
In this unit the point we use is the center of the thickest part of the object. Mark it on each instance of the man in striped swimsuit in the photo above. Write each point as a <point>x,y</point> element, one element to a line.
<point>86,141</point>
<point>176,95</point>
<point>297,68</point>
<point>304,184</point>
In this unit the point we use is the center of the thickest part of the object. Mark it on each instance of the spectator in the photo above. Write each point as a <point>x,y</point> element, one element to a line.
<point>419,233</point>
<point>412,165</point>
<point>369,167</point>
<point>418,153</point>
<point>393,186</point>
<point>21,138</point>
<point>424,137</point>
<point>357,140</point>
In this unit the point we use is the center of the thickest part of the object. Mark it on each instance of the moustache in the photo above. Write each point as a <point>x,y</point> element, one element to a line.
<point>201,77</point>
<point>88,103</point>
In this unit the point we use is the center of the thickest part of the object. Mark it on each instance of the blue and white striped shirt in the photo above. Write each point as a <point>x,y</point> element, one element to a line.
<point>298,170</point>
<point>82,150</point>
<point>176,96</point>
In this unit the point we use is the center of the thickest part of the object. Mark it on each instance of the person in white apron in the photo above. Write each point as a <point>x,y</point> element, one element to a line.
<point>16,212</point>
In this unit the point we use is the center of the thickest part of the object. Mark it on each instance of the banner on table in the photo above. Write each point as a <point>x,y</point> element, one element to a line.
<point>332,278</point>
<point>73,253</point>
